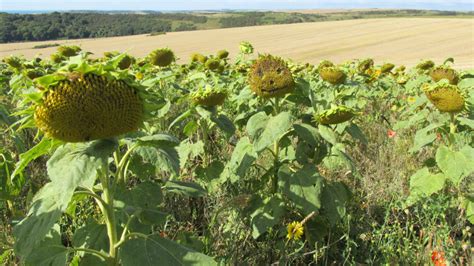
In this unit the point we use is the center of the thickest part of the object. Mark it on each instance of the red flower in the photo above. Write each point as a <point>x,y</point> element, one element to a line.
<point>391,133</point>
<point>438,259</point>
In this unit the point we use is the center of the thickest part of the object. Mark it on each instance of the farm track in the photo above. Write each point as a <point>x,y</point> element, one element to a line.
<point>397,40</point>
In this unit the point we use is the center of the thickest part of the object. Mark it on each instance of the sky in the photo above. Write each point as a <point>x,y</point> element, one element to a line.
<point>168,5</point>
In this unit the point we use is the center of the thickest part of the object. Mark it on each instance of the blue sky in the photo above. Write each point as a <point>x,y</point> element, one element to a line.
<point>229,4</point>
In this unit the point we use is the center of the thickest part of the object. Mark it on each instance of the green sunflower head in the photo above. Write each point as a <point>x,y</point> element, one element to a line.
<point>162,57</point>
<point>445,97</point>
<point>222,54</point>
<point>14,62</point>
<point>365,65</point>
<point>325,63</point>
<point>387,67</point>
<point>246,47</point>
<point>332,75</point>
<point>270,77</point>
<point>208,96</point>
<point>197,57</point>
<point>335,115</point>
<point>425,65</point>
<point>87,104</point>
<point>68,51</point>
<point>444,72</point>
<point>212,64</point>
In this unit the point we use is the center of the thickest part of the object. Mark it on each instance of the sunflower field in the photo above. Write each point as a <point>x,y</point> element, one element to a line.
<point>255,160</point>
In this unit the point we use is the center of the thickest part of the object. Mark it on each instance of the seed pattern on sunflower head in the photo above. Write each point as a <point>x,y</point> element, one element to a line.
<point>68,51</point>
<point>332,75</point>
<point>425,65</point>
<point>222,54</point>
<point>88,107</point>
<point>444,72</point>
<point>387,67</point>
<point>161,57</point>
<point>209,96</point>
<point>335,115</point>
<point>294,230</point>
<point>270,77</point>
<point>445,97</point>
<point>197,57</point>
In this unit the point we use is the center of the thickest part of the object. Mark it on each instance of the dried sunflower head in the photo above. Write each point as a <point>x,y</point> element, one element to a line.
<point>270,77</point>
<point>222,54</point>
<point>335,115</point>
<point>387,67</point>
<point>445,97</point>
<point>209,96</point>
<point>425,65</point>
<point>83,107</point>
<point>444,72</point>
<point>161,57</point>
<point>34,73</point>
<point>57,58</point>
<point>332,75</point>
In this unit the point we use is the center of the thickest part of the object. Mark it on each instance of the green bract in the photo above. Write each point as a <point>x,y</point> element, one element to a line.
<point>209,96</point>
<point>161,57</point>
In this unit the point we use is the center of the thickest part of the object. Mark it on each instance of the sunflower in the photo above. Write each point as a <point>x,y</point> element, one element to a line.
<point>332,75</point>
<point>444,72</point>
<point>335,115</point>
<point>270,77</point>
<point>445,97</point>
<point>295,230</point>
<point>209,96</point>
<point>162,57</point>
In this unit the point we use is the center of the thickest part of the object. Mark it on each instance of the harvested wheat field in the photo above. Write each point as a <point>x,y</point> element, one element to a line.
<point>398,40</point>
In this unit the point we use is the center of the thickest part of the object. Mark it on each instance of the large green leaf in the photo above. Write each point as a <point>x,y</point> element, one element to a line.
<point>274,130</point>
<point>43,147</point>
<point>469,206</point>
<point>50,252</point>
<point>455,165</point>
<point>225,124</point>
<point>256,124</point>
<point>335,196</point>
<point>72,165</point>
<point>189,189</point>
<point>267,213</point>
<point>303,187</point>
<point>160,151</point>
<point>91,236</point>
<point>424,137</point>
<point>308,133</point>
<point>188,150</point>
<point>327,134</point>
<point>242,158</point>
<point>154,250</point>
<point>424,184</point>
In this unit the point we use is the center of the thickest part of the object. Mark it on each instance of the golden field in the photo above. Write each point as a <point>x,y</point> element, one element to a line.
<point>397,40</point>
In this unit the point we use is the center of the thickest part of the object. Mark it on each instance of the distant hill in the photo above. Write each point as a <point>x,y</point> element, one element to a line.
<point>39,26</point>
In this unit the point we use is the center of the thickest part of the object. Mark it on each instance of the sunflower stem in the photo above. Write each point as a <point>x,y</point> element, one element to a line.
<point>107,209</point>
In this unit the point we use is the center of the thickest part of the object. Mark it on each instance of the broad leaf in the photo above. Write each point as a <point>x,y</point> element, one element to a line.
<point>241,160</point>
<point>154,250</point>
<point>424,184</point>
<point>327,134</point>
<point>303,187</point>
<point>72,165</point>
<point>455,165</point>
<point>50,252</point>
<point>274,130</point>
<point>335,196</point>
<point>189,189</point>
<point>267,214</point>
<point>187,150</point>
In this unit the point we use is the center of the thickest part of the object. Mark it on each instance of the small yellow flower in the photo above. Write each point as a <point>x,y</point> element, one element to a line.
<point>411,99</point>
<point>295,230</point>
